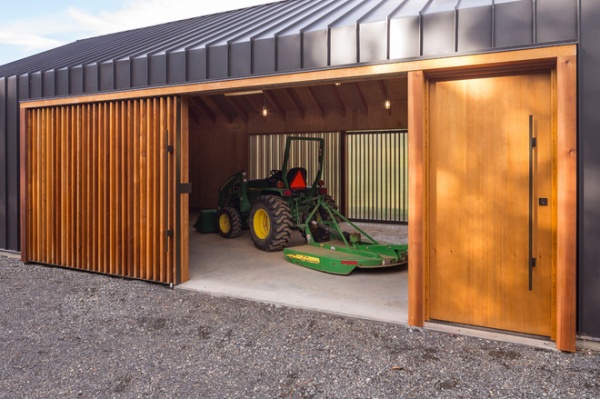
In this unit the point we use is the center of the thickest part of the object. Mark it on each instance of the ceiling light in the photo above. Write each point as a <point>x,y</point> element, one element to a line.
<point>243,93</point>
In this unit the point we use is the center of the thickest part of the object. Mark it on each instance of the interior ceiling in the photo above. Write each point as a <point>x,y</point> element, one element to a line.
<point>339,97</point>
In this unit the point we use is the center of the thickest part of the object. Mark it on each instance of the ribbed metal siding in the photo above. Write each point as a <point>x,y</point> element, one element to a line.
<point>9,164</point>
<point>589,172</point>
<point>266,153</point>
<point>377,176</point>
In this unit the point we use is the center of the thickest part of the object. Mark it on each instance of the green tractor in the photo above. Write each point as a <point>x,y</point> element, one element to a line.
<point>272,208</point>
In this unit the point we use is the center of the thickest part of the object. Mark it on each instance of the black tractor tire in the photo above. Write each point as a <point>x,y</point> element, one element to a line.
<point>331,202</point>
<point>229,222</point>
<point>270,223</point>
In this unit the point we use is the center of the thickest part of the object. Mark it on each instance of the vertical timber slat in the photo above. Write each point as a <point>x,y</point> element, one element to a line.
<point>94,188</point>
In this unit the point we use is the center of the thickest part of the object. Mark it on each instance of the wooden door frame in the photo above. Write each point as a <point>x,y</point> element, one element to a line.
<point>565,67</point>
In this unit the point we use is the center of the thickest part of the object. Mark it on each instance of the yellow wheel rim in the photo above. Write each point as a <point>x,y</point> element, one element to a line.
<point>224,223</point>
<point>261,224</point>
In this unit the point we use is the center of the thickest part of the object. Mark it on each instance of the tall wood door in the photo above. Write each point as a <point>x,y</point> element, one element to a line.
<point>101,188</point>
<point>491,209</point>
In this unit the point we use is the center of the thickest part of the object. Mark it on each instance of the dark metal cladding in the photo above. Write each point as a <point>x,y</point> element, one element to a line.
<point>264,56</point>
<point>4,194</point>
<point>76,81</point>
<point>556,20</point>
<point>123,74</point>
<point>176,68</point>
<point>474,28</point>
<point>405,37</point>
<point>24,87</point>
<point>35,82</point>
<point>91,78</point>
<point>343,48</point>
<point>62,82</point>
<point>240,61</point>
<point>107,76</point>
<point>158,69</point>
<point>315,46</point>
<point>438,33</point>
<point>48,83</point>
<point>196,65</point>
<point>12,164</point>
<point>513,24</point>
<point>373,43</point>
<point>289,53</point>
<point>218,62</point>
<point>589,171</point>
<point>139,72</point>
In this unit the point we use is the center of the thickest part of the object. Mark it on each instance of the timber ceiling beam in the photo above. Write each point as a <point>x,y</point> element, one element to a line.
<point>293,96</point>
<point>201,107</point>
<point>276,104</point>
<point>340,100</point>
<point>238,107</point>
<point>315,101</point>
<point>363,100</point>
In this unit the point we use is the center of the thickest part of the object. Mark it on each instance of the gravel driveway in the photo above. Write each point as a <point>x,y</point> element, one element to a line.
<point>68,334</point>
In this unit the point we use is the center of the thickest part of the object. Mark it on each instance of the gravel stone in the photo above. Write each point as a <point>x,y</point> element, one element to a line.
<point>71,334</point>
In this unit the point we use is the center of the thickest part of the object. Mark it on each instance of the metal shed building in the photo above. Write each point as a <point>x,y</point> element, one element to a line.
<point>95,141</point>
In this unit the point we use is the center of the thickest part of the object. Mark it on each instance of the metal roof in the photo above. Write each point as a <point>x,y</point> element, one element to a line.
<point>289,36</point>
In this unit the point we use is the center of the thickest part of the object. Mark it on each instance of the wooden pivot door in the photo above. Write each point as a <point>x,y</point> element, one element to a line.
<point>100,188</point>
<point>492,201</point>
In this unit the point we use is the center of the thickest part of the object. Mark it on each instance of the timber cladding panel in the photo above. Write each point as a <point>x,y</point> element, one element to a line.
<point>100,187</point>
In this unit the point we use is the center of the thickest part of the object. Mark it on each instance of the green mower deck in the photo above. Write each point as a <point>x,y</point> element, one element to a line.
<point>344,251</point>
<point>337,258</point>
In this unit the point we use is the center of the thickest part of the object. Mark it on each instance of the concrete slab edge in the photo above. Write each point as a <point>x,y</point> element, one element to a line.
<point>10,254</point>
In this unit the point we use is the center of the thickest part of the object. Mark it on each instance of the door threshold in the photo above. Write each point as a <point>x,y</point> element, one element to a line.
<point>492,335</point>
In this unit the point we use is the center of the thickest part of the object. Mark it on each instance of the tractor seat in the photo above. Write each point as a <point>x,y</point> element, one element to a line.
<point>296,178</point>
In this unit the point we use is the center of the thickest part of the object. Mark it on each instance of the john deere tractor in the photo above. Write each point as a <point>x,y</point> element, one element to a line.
<point>275,206</point>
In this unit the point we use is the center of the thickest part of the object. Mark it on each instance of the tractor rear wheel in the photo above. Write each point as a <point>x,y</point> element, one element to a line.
<point>229,222</point>
<point>270,223</point>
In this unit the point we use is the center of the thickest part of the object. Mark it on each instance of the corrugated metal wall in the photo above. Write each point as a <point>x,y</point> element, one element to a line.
<point>377,176</point>
<point>100,187</point>
<point>589,171</point>
<point>9,164</point>
<point>266,153</point>
<point>375,171</point>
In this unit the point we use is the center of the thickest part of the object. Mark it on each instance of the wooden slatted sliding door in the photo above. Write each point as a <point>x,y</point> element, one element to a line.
<point>101,183</point>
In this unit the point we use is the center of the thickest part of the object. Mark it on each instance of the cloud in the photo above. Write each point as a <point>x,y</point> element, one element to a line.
<point>31,35</point>
<point>30,42</point>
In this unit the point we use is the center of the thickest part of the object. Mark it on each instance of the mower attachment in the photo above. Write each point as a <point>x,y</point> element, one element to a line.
<point>345,251</point>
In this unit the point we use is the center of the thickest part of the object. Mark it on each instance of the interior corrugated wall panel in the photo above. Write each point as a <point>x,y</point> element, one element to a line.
<point>266,153</point>
<point>100,185</point>
<point>377,176</point>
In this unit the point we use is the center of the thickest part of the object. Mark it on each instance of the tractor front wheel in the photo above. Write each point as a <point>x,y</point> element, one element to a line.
<point>229,222</point>
<point>270,223</point>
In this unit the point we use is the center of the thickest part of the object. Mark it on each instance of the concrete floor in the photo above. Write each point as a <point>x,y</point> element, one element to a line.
<point>235,268</point>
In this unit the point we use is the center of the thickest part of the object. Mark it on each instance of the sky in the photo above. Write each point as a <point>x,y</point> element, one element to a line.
<point>28,27</point>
